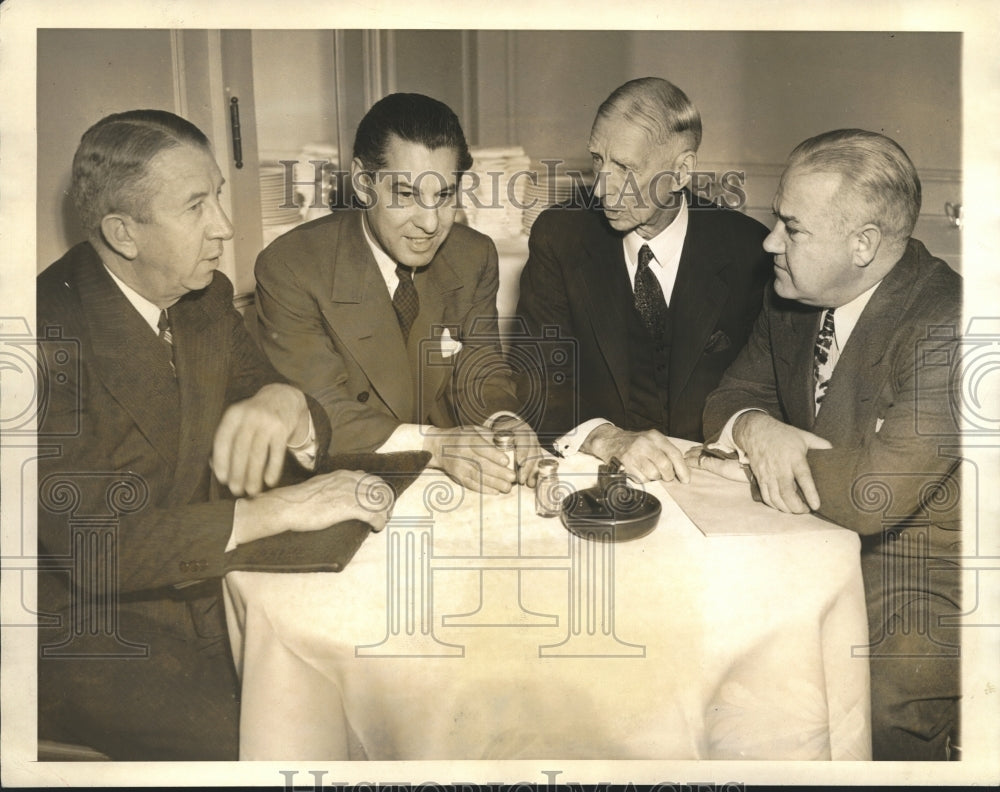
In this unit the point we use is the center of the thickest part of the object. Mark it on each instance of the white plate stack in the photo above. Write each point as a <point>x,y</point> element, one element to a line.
<point>275,208</point>
<point>280,182</point>
<point>541,195</point>
<point>494,206</point>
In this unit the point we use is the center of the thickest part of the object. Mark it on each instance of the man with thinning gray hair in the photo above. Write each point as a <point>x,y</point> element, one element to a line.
<point>656,289</point>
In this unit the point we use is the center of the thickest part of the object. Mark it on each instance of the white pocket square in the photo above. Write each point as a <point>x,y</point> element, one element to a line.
<point>878,424</point>
<point>449,346</point>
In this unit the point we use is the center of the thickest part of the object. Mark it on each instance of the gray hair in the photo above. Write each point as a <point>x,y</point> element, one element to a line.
<point>874,168</point>
<point>112,162</point>
<point>657,106</point>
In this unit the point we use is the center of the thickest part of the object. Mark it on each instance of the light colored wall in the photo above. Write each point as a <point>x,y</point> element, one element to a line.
<point>761,93</point>
<point>126,69</point>
<point>293,90</point>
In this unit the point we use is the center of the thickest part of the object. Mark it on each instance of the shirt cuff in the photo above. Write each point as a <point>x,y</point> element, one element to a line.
<point>727,443</point>
<point>305,452</point>
<point>231,544</point>
<point>405,437</point>
<point>569,444</point>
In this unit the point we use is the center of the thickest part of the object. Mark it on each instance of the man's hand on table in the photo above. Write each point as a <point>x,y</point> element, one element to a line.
<point>727,468</point>
<point>251,440</point>
<point>528,451</point>
<point>467,454</point>
<point>778,458</point>
<point>646,456</point>
<point>316,503</point>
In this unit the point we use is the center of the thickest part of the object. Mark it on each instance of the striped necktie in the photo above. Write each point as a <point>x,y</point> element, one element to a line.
<point>166,337</point>
<point>825,356</point>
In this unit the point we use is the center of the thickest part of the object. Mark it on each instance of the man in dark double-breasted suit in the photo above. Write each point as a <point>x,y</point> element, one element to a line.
<point>651,294</point>
<point>152,387</point>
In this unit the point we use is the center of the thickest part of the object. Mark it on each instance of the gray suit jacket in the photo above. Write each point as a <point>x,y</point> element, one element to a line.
<point>327,323</point>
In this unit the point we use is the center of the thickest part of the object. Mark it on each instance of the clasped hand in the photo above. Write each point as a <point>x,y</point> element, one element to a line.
<point>467,454</point>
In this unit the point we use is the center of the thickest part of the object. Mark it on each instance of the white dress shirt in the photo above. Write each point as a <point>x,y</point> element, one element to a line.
<point>666,247</point>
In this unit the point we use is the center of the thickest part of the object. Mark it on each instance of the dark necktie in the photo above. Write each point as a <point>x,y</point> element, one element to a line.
<point>649,300</point>
<point>825,355</point>
<point>166,337</point>
<point>405,301</point>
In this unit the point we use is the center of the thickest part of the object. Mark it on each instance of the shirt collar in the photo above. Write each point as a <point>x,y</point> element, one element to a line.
<point>846,316</point>
<point>147,310</point>
<point>666,245</point>
<point>386,266</point>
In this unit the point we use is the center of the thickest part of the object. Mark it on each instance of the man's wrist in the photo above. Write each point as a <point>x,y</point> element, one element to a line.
<point>744,424</point>
<point>596,443</point>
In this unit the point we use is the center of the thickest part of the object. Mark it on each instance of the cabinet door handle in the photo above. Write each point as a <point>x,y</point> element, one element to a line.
<point>234,119</point>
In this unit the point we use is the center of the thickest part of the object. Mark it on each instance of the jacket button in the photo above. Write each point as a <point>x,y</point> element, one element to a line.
<point>363,396</point>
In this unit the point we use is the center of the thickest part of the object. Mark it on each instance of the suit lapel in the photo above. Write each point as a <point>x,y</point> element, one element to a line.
<point>603,279</point>
<point>129,359</point>
<point>857,378</point>
<point>433,283</point>
<point>698,296</point>
<point>366,323</point>
<point>201,355</point>
<point>793,336</point>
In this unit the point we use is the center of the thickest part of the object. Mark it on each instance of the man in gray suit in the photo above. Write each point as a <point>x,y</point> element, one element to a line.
<point>387,313</point>
<point>841,404</point>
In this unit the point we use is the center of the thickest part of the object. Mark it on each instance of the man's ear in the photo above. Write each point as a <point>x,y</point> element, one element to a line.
<point>116,229</point>
<point>865,244</point>
<point>683,165</point>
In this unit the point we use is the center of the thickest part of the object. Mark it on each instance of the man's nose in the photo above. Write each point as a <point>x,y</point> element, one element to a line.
<point>221,227</point>
<point>602,186</point>
<point>426,218</point>
<point>775,241</point>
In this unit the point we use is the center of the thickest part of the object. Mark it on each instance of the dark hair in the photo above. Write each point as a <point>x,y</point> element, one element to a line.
<point>874,168</point>
<point>658,106</point>
<point>112,161</point>
<point>411,117</point>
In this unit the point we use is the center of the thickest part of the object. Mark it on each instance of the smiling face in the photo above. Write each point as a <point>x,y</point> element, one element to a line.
<point>815,249</point>
<point>178,241</point>
<point>636,177</point>
<point>411,202</point>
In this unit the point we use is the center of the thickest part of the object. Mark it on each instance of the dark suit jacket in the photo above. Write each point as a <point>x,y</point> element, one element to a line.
<point>575,280</point>
<point>326,321</point>
<point>888,409</point>
<point>113,412</point>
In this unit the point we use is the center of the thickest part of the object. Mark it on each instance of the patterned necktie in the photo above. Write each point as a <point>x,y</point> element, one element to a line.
<point>405,301</point>
<point>166,337</point>
<point>825,354</point>
<point>649,301</point>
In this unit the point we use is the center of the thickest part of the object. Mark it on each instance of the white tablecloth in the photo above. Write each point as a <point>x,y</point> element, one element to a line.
<point>472,629</point>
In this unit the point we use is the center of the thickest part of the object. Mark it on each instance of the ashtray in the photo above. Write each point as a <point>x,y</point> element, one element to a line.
<point>611,511</point>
